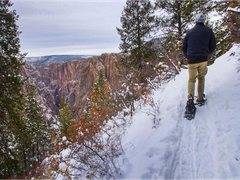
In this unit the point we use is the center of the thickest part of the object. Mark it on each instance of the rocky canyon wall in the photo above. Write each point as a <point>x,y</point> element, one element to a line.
<point>72,80</point>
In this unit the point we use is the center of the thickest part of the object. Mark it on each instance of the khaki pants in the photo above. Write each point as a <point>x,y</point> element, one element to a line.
<point>198,70</point>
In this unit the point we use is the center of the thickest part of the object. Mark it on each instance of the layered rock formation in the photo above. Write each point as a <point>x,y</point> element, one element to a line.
<point>72,80</point>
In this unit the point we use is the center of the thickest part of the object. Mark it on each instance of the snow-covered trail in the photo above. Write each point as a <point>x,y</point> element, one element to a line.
<point>206,147</point>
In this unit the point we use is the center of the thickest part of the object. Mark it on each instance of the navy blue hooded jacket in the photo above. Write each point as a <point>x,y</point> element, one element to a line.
<point>198,44</point>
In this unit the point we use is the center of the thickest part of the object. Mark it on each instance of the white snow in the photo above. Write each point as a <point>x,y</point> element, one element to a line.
<point>236,9</point>
<point>206,147</point>
<point>65,153</point>
<point>63,167</point>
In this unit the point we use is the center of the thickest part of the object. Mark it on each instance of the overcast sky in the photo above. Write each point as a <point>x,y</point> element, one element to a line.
<point>77,27</point>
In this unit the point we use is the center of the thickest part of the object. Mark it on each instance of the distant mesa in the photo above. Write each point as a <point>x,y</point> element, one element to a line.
<point>54,59</point>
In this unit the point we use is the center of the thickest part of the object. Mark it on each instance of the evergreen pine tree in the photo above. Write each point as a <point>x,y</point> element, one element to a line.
<point>138,26</point>
<point>37,129</point>
<point>100,101</point>
<point>177,15</point>
<point>65,118</point>
<point>175,20</point>
<point>12,127</point>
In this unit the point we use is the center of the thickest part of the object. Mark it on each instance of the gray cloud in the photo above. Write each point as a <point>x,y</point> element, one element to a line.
<point>68,26</point>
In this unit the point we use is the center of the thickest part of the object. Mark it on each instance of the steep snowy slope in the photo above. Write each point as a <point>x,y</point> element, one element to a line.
<point>206,147</point>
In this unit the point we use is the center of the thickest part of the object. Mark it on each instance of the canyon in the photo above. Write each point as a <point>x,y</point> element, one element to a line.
<point>72,80</point>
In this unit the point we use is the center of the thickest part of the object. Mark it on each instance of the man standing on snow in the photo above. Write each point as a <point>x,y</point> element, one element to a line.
<point>198,44</point>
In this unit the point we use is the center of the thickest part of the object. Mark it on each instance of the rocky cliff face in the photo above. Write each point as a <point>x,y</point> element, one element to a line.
<point>89,75</point>
<point>72,80</point>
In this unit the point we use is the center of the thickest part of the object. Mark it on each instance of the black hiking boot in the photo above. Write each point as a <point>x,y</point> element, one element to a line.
<point>190,109</point>
<point>201,102</point>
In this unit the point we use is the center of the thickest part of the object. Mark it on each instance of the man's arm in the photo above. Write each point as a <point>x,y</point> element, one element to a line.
<point>184,46</point>
<point>212,44</point>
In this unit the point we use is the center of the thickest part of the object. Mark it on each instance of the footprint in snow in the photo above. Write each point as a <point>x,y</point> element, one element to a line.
<point>151,152</point>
